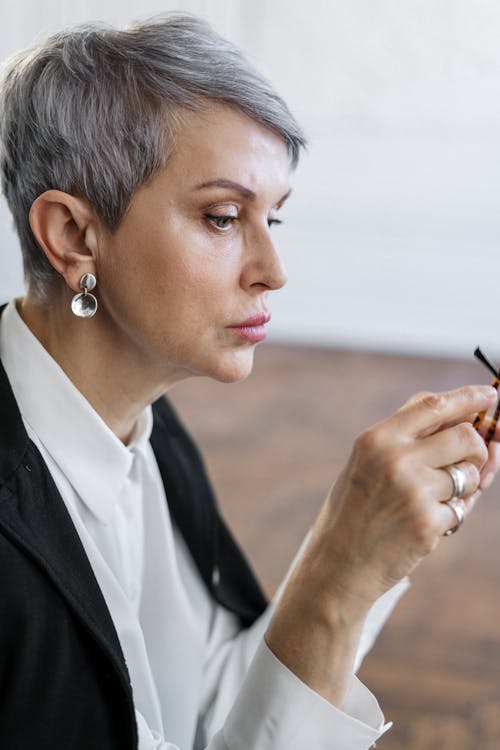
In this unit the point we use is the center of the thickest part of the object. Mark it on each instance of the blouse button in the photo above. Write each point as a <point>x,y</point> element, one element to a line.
<point>215,576</point>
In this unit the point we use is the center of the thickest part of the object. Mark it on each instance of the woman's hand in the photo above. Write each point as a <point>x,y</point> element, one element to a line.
<point>385,513</point>
<point>387,510</point>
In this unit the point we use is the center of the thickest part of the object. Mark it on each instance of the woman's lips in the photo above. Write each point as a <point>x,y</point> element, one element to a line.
<point>252,329</point>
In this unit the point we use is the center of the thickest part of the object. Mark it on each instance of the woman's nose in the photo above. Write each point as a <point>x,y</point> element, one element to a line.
<point>264,265</point>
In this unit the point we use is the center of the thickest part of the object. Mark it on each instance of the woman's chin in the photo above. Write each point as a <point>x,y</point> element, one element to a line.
<point>235,366</point>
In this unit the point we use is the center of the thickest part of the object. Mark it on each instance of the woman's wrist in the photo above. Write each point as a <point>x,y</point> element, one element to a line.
<point>315,633</point>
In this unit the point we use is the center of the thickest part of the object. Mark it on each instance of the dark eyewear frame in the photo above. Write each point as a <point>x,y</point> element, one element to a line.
<point>496,383</point>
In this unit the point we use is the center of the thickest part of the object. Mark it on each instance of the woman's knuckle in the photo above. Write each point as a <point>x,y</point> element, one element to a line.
<point>417,398</point>
<point>434,402</point>
<point>369,441</point>
<point>472,443</point>
<point>395,472</point>
<point>482,451</point>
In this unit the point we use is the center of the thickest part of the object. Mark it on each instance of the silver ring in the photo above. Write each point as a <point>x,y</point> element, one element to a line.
<point>457,507</point>
<point>459,479</point>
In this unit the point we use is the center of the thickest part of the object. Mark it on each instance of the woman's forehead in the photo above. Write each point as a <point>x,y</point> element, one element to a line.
<point>222,143</point>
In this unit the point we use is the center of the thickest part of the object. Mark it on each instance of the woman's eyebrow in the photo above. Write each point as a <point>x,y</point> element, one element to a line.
<point>244,191</point>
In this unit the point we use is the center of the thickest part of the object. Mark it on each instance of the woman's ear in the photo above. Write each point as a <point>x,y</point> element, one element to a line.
<point>65,228</point>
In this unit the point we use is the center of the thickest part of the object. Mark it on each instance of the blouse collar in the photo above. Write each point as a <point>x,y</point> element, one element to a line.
<point>64,421</point>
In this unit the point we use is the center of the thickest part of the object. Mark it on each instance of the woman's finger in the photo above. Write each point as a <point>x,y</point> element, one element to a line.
<point>492,465</point>
<point>451,446</point>
<point>426,414</point>
<point>448,517</point>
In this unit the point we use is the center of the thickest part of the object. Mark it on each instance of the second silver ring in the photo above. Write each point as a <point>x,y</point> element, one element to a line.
<point>457,506</point>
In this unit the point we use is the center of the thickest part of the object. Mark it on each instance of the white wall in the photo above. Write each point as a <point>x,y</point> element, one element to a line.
<point>392,235</point>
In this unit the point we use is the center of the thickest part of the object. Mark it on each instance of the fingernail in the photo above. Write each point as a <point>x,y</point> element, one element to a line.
<point>487,481</point>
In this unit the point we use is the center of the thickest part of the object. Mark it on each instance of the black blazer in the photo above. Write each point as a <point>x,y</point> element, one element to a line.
<point>64,684</point>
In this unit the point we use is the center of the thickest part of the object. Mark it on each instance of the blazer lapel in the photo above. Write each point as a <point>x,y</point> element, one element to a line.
<point>193,507</point>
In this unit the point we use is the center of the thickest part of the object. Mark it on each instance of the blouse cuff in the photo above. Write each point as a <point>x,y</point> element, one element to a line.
<point>275,710</point>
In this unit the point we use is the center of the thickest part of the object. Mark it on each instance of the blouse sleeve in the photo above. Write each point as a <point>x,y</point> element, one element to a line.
<point>251,700</point>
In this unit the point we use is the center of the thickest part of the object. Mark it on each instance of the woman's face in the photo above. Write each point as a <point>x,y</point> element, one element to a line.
<point>184,282</point>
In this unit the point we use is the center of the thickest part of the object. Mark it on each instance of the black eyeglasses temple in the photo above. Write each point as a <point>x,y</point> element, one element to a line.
<point>482,358</point>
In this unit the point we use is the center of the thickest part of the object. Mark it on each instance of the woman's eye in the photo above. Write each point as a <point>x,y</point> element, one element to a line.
<point>221,222</point>
<point>224,223</point>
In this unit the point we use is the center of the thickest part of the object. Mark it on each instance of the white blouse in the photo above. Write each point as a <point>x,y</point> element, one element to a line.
<point>198,680</point>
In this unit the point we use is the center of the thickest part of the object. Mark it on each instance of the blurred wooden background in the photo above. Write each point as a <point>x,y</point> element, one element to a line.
<point>275,443</point>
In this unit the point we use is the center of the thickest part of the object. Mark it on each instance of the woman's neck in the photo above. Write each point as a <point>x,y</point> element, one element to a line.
<point>117,382</point>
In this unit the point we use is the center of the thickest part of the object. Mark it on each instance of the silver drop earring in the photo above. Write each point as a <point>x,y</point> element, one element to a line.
<point>84,304</point>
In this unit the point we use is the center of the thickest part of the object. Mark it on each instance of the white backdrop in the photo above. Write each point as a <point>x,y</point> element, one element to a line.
<point>392,235</point>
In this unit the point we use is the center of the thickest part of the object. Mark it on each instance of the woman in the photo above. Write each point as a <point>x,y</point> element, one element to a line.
<point>144,170</point>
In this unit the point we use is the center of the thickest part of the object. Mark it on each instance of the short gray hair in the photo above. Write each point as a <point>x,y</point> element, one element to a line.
<point>93,112</point>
